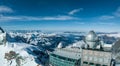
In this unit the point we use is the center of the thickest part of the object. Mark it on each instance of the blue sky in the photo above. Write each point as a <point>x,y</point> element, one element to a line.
<point>60,15</point>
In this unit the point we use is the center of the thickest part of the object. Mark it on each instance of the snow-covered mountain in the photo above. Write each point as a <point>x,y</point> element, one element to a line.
<point>34,46</point>
<point>21,54</point>
<point>51,40</point>
<point>46,40</point>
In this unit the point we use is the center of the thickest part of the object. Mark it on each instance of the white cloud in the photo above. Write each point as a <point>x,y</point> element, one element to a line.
<point>59,18</point>
<point>112,16</point>
<point>80,23</point>
<point>117,12</point>
<point>7,18</point>
<point>30,18</point>
<point>106,23</point>
<point>5,9</point>
<point>106,17</point>
<point>75,11</point>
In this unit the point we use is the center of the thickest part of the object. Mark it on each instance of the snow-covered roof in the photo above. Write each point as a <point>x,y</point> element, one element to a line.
<point>73,53</point>
<point>108,45</point>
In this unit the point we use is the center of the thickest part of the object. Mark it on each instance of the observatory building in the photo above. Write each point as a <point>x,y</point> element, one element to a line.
<point>92,40</point>
<point>2,37</point>
<point>92,54</point>
<point>65,57</point>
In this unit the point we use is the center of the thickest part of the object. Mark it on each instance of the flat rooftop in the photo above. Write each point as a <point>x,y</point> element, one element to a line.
<point>73,53</point>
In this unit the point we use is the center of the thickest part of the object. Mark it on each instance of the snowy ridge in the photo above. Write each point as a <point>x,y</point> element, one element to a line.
<point>24,50</point>
<point>33,46</point>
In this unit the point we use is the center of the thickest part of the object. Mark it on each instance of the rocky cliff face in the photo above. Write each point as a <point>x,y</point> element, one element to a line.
<point>1,30</point>
<point>116,51</point>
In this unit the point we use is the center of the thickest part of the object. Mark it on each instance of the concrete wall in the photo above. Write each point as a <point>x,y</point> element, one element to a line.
<point>94,57</point>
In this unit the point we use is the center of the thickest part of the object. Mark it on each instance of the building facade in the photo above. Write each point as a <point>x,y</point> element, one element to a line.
<point>92,54</point>
<point>65,57</point>
<point>95,58</point>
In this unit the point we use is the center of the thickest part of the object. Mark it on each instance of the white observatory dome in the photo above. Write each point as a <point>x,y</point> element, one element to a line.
<point>91,36</point>
<point>92,39</point>
<point>60,45</point>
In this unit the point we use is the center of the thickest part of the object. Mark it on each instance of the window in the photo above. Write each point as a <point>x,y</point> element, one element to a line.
<point>106,60</point>
<point>95,59</point>
<point>104,65</point>
<point>98,65</point>
<point>100,60</point>
<point>85,62</point>
<point>85,57</point>
<point>91,63</point>
<point>91,58</point>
